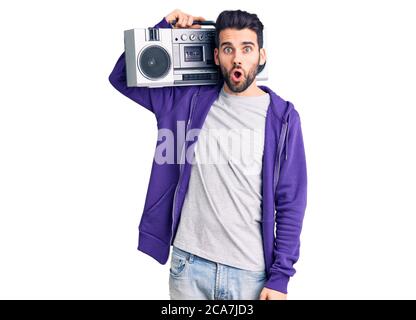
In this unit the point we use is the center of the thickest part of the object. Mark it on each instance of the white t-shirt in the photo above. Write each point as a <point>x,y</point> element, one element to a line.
<point>221,214</point>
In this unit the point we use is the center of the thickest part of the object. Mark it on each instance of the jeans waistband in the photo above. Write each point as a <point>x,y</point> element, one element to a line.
<point>184,254</point>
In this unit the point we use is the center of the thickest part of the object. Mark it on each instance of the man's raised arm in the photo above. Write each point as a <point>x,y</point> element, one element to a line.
<point>156,100</point>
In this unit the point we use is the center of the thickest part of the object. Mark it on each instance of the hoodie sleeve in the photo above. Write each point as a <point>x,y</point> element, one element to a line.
<point>290,204</point>
<point>156,100</point>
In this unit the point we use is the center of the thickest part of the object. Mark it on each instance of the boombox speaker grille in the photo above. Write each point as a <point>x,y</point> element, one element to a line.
<point>154,62</point>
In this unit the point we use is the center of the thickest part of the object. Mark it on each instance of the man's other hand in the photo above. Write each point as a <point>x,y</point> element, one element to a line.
<point>269,294</point>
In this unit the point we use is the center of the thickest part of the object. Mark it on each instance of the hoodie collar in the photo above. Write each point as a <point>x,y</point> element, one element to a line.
<point>275,100</point>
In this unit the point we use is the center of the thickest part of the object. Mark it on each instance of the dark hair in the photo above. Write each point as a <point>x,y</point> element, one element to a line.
<point>237,19</point>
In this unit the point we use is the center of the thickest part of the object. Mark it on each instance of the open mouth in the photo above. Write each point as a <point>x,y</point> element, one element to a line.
<point>236,75</point>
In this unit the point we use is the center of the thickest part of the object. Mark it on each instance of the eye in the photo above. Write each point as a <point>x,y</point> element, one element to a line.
<point>227,50</point>
<point>247,49</point>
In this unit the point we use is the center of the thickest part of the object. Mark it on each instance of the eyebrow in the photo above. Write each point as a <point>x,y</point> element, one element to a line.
<point>243,43</point>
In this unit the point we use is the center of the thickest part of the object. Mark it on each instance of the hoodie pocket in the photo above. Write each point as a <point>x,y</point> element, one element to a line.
<point>157,219</point>
<point>160,200</point>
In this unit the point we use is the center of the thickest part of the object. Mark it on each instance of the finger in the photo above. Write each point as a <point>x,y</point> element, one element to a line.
<point>179,21</point>
<point>200,18</point>
<point>196,26</point>
<point>184,22</point>
<point>263,295</point>
<point>190,21</point>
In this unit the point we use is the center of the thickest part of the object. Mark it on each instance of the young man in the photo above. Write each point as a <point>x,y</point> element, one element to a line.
<point>233,218</point>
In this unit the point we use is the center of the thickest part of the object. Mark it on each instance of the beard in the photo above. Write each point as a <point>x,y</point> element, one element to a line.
<point>245,83</point>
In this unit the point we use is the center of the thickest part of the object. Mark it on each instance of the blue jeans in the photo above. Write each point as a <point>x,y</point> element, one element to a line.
<point>195,278</point>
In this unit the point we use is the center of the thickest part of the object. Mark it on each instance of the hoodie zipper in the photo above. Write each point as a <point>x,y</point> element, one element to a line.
<point>181,166</point>
<point>279,150</point>
<point>282,138</point>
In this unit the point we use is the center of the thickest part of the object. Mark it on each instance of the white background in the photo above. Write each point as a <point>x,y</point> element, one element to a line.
<point>76,154</point>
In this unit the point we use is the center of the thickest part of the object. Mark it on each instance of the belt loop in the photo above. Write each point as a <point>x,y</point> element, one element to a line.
<point>191,258</point>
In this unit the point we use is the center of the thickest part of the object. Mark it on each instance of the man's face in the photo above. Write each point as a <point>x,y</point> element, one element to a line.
<point>238,57</point>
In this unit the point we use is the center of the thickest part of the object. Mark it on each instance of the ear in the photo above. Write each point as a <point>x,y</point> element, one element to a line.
<point>216,59</point>
<point>263,56</point>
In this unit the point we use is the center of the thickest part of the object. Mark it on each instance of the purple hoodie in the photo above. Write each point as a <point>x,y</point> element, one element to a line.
<point>284,175</point>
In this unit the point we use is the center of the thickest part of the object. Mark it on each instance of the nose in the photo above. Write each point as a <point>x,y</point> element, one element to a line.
<point>237,60</point>
<point>236,64</point>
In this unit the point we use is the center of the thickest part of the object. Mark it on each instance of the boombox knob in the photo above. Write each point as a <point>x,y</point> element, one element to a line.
<point>153,34</point>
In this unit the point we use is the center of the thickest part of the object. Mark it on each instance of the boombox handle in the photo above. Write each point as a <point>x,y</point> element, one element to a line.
<point>202,23</point>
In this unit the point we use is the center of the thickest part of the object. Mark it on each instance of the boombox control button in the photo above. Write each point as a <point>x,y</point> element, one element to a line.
<point>153,34</point>
<point>184,37</point>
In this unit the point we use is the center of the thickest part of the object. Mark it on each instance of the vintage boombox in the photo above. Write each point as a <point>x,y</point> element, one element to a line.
<point>173,57</point>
